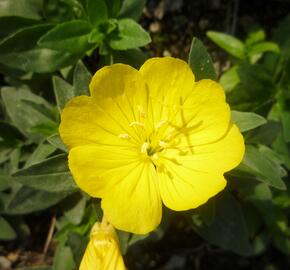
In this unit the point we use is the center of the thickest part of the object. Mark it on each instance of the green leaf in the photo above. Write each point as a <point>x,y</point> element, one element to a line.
<point>56,141</point>
<point>247,120</point>
<point>50,175</point>
<point>263,168</point>
<point>133,57</point>
<point>19,104</point>
<point>63,92</point>
<point>69,37</point>
<point>262,47</point>
<point>255,37</point>
<point>78,244</point>
<point>45,128</point>
<point>27,200</point>
<point>229,43</point>
<point>97,12</point>
<point>4,181</point>
<point>132,9</point>
<point>20,51</point>
<point>81,79</point>
<point>24,39</point>
<point>228,229</point>
<point>130,35</point>
<point>200,61</point>
<point>14,23</point>
<point>113,7</point>
<point>63,259</point>
<point>75,212</point>
<point>22,8</point>
<point>6,231</point>
<point>285,117</point>
<point>96,37</point>
<point>42,151</point>
<point>230,79</point>
<point>9,135</point>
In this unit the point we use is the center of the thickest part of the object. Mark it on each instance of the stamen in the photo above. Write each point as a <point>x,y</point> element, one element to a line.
<point>144,147</point>
<point>155,157</point>
<point>141,112</point>
<point>163,144</point>
<point>135,123</point>
<point>124,136</point>
<point>161,124</point>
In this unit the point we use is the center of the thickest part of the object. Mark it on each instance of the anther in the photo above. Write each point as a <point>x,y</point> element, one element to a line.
<point>144,147</point>
<point>163,144</point>
<point>135,123</point>
<point>141,112</point>
<point>124,136</point>
<point>161,124</point>
<point>155,157</point>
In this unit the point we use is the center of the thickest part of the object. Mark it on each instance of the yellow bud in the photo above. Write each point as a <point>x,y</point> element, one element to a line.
<point>102,252</point>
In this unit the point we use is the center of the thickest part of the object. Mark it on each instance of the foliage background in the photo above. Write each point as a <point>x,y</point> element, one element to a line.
<point>48,51</point>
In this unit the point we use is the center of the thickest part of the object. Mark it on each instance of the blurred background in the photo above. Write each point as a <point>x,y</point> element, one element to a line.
<point>48,51</point>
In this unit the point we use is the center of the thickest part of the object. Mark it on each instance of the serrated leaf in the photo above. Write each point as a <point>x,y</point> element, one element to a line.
<point>132,9</point>
<point>130,35</point>
<point>50,175</point>
<point>247,120</point>
<point>81,79</point>
<point>6,231</point>
<point>228,229</point>
<point>63,92</point>
<point>229,43</point>
<point>71,36</point>
<point>97,11</point>
<point>200,61</point>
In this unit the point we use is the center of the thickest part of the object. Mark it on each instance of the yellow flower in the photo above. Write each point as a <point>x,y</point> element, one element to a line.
<point>150,136</point>
<point>102,252</point>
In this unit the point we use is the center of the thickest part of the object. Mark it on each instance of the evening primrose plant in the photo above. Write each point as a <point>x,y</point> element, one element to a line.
<point>136,155</point>
<point>150,136</point>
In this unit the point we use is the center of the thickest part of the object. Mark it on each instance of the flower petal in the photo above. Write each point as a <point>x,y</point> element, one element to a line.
<point>83,122</point>
<point>96,169</point>
<point>218,157</point>
<point>204,116</point>
<point>168,80</point>
<point>188,180</point>
<point>121,91</point>
<point>134,204</point>
<point>183,188</point>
